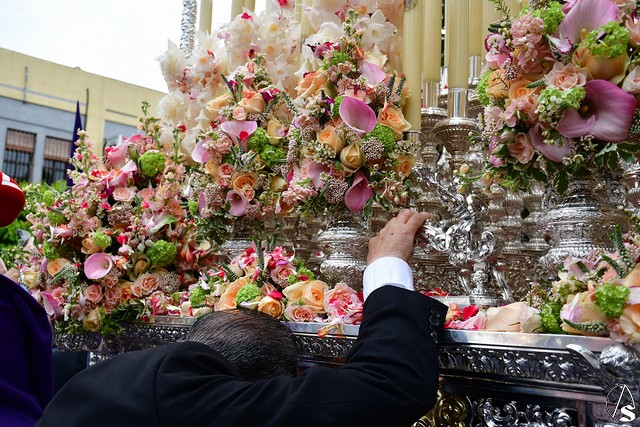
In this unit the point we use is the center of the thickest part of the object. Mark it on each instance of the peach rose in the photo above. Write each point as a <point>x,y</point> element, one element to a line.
<point>277,183</point>
<point>30,279</point>
<point>110,281</point>
<point>140,265</point>
<point>239,113</point>
<point>215,105</point>
<point>252,102</point>
<point>631,83</point>
<point>352,157</point>
<point>53,267</point>
<point>633,278</point>
<point>404,164</point>
<point>630,322</point>
<point>565,77</point>
<point>88,245</point>
<point>581,308</point>
<point>123,194</point>
<point>240,179</point>
<point>633,25</point>
<point>299,313</point>
<point>272,307</point>
<point>275,131</point>
<point>392,116</point>
<point>601,67</point>
<point>112,295</point>
<point>329,137</point>
<point>125,291</point>
<point>505,318</point>
<point>497,85</point>
<point>311,83</point>
<point>93,293</point>
<point>228,297</point>
<point>521,148</point>
<point>248,192</point>
<point>310,293</point>
<point>92,321</point>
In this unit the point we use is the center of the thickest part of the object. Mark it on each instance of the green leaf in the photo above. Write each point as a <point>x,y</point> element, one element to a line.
<point>629,147</point>
<point>561,181</point>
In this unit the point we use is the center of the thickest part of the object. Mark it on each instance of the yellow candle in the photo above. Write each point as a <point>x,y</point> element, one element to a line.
<point>412,19</point>
<point>206,7</point>
<point>513,6</point>
<point>431,40</point>
<point>250,4</point>
<point>476,33</point>
<point>305,25</point>
<point>236,8</point>
<point>489,15</point>
<point>457,31</point>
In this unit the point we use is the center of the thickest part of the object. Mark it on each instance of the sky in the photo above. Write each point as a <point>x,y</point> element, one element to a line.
<point>119,39</point>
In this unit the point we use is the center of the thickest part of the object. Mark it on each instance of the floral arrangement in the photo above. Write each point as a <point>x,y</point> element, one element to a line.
<point>559,90</point>
<point>598,295</point>
<point>272,280</point>
<point>124,231</point>
<point>345,143</point>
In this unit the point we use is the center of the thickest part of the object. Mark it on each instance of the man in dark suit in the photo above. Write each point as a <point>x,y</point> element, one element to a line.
<point>389,378</point>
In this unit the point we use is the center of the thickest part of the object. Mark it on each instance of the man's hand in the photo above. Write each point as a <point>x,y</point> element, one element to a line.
<point>396,238</point>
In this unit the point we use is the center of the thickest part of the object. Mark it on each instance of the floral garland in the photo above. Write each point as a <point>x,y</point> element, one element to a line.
<point>559,91</point>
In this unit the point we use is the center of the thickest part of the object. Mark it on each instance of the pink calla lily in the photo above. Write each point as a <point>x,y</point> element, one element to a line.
<point>358,194</point>
<point>315,172</point>
<point>98,265</point>
<point>555,153</point>
<point>200,154</point>
<point>357,115</point>
<point>372,73</point>
<point>586,15</point>
<point>239,130</point>
<point>606,113</point>
<point>238,204</point>
<point>51,306</point>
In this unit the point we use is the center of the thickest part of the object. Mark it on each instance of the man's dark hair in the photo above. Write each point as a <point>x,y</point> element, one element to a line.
<point>257,345</point>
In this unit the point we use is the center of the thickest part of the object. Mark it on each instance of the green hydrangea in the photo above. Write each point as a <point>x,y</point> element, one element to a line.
<point>383,134</point>
<point>248,293</point>
<point>611,299</point>
<point>258,140</point>
<point>102,240</point>
<point>335,110</point>
<point>609,40</point>
<point>56,218</point>
<point>197,297</point>
<point>49,251</point>
<point>272,155</point>
<point>481,89</point>
<point>338,58</point>
<point>552,16</point>
<point>550,316</point>
<point>553,101</point>
<point>152,163</point>
<point>193,207</point>
<point>48,198</point>
<point>162,253</point>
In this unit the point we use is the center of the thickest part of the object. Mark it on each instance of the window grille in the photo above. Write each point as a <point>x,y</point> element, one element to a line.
<point>18,155</point>
<point>56,159</point>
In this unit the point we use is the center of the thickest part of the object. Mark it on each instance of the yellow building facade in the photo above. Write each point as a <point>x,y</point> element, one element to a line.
<point>37,113</point>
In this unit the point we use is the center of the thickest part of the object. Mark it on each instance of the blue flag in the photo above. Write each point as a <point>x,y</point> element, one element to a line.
<point>76,127</point>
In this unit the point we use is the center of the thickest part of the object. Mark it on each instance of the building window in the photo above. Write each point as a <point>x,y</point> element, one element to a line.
<point>56,159</point>
<point>18,154</point>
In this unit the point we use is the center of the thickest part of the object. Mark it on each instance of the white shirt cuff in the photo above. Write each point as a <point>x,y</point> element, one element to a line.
<point>387,271</point>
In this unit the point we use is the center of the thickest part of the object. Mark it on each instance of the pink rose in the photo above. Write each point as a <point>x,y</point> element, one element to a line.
<point>239,113</point>
<point>112,295</point>
<point>516,317</point>
<point>93,293</point>
<point>343,303</point>
<point>110,281</point>
<point>280,274</point>
<point>633,25</point>
<point>299,313</point>
<point>123,194</point>
<point>521,148</point>
<point>225,170</point>
<point>565,77</point>
<point>149,282</point>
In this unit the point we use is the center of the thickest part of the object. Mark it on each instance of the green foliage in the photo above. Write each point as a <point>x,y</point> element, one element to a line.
<point>593,327</point>
<point>385,135</point>
<point>162,253</point>
<point>335,110</point>
<point>481,90</point>
<point>56,218</point>
<point>248,293</point>
<point>611,299</point>
<point>272,155</point>
<point>102,240</point>
<point>49,251</point>
<point>610,40</point>
<point>552,16</point>
<point>258,140</point>
<point>197,296</point>
<point>550,315</point>
<point>152,163</point>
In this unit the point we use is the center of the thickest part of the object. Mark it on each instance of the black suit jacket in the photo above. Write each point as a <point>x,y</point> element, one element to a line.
<point>389,379</point>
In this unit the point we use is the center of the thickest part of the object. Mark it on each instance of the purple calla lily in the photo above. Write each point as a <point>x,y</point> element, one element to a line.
<point>372,73</point>
<point>359,193</point>
<point>587,15</point>
<point>555,153</point>
<point>200,154</point>
<point>238,203</point>
<point>98,265</point>
<point>357,115</point>
<point>315,172</point>
<point>606,113</point>
<point>239,130</point>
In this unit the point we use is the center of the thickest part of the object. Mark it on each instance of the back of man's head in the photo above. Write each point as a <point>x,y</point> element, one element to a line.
<point>257,345</point>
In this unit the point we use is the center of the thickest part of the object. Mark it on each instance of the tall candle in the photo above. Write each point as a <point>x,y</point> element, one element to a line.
<point>412,19</point>
<point>250,4</point>
<point>513,6</point>
<point>476,33</point>
<point>457,31</point>
<point>236,8</point>
<point>431,40</point>
<point>489,16</point>
<point>305,25</point>
<point>206,8</point>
